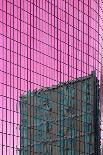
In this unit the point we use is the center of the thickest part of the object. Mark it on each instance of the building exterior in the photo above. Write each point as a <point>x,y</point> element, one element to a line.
<point>62,120</point>
<point>44,43</point>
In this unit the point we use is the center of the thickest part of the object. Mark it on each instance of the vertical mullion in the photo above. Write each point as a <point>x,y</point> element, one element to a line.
<point>88,36</point>
<point>33,78</point>
<point>82,91</point>
<point>36,77</point>
<point>18,78</point>
<point>99,72</point>
<point>68,72</point>
<point>20,59</point>
<point>57,75</point>
<point>28,140</point>
<point>13,86</point>
<point>64,69</point>
<point>3,80</point>
<point>51,145</point>
<point>49,71</point>
<point>10,80</point>
<point>88,48</point>
<point>18,87</point>
<point>6,78</point>
<point>55,70</point>
<point>77,69</point>
<point>81,72</point>
<point>30,88</point>
<point>73,73</point>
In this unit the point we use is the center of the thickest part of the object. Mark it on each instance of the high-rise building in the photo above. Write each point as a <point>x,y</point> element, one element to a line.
<point>44,43</point>
<point>61,120</point>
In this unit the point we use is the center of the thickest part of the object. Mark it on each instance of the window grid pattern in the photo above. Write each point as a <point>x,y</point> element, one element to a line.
<point>45,44</point>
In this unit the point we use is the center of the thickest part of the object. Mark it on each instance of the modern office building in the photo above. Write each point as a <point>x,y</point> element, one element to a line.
<point>44,43</point>
<point>61,120</point>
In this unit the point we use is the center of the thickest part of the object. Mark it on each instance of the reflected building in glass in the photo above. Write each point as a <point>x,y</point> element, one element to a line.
<point>61,120</point>
<point>46,43</point>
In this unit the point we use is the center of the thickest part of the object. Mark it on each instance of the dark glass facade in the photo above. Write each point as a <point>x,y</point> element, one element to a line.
<point>61,120</point>
<point>42,44</point>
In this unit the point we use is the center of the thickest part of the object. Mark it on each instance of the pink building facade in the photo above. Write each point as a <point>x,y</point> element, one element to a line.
<point>43,43</point>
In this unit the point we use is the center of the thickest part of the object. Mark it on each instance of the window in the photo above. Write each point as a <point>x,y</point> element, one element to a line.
<point>86,118</point>
<point>85,86</point>
<point>48,126</point>
<point>86,107</point>
<point>87,148</point>
<point>86,138</point>
<point>89,107</point>
<point>71,91</point>
<point>71,132</point>
<point>85,97</point>
<point>38,148</point>
<point>71,152</point>
<point>86,127</point>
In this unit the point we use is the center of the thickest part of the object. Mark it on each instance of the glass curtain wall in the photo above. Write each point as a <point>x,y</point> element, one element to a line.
<point>43,45</point>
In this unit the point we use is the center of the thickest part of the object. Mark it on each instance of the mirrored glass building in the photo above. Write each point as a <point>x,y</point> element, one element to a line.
<point>61,120</point>
<point>46,43</point>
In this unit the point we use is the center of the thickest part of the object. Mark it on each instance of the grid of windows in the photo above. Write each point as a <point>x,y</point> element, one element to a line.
<point>62,127</point>
<point>44,44</point>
